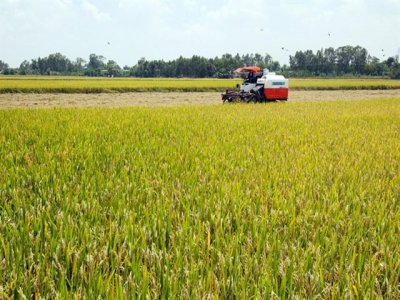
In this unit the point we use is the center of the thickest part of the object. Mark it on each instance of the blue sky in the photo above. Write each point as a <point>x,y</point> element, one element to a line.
<point>167,29</point>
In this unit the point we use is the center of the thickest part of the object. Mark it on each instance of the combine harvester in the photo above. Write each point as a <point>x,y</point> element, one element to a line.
<point>258,87</point>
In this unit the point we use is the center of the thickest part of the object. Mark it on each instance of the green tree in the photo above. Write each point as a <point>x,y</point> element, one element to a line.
<point>390,61</point>
<point>42,65</point>
<point>298,61</point>
<point>395,70</point>
<point>96,61</point>
<point>344,57</point>
<point>330,59</point>
<point>359,59</point>
<point>113,68</point>
<point>3,65</point>
<point>25,68</point>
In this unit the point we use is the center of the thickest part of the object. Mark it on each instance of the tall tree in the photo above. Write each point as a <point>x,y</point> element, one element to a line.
<point>113,68</point>
<point>3,65</point>
<point>330,59</point>
<point>96,61</point>
<point>344,58</point>
<point>25,68</point>
<point>359,59</point>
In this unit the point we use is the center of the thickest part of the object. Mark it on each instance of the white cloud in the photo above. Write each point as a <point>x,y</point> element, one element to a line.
<point>190,4</point>
<point>92,10</point>
<point>166,29</point>
<point>64,4</point>
<point>150,7</point>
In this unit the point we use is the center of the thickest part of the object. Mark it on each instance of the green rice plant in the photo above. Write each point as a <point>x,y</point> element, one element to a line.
<point>280,200</point>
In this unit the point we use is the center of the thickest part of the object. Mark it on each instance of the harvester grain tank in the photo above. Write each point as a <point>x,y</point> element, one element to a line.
<point>259,87</point>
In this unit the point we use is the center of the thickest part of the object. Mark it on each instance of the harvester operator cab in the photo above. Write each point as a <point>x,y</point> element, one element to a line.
<point>250,77</point>
<point>251,81</point>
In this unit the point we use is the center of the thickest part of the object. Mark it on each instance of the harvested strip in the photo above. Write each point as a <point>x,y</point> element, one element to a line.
<point>169,99</point>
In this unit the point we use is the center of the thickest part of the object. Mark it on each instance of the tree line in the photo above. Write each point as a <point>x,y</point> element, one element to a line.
<point>329,62</point>
<point>341,61</point>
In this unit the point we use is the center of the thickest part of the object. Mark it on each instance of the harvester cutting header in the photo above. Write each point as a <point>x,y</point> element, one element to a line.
<point>260,86</point>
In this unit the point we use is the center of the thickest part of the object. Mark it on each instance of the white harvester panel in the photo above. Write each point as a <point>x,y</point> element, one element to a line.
<point>275,86</point>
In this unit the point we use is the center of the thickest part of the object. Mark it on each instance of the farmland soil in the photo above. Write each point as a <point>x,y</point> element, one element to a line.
<point>169,99</point>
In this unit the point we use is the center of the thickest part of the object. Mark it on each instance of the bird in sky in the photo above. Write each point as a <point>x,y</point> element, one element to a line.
<point>382,49</point>
<point>262,29</point>
<point>283,48</point>
<point>329,34</point>
<point>109,43</point>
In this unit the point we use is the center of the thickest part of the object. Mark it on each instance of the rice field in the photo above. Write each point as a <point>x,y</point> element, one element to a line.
<point>343,84</point>
<point>276,201</point>
<point>38,84</point>
<point>109,85</point>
